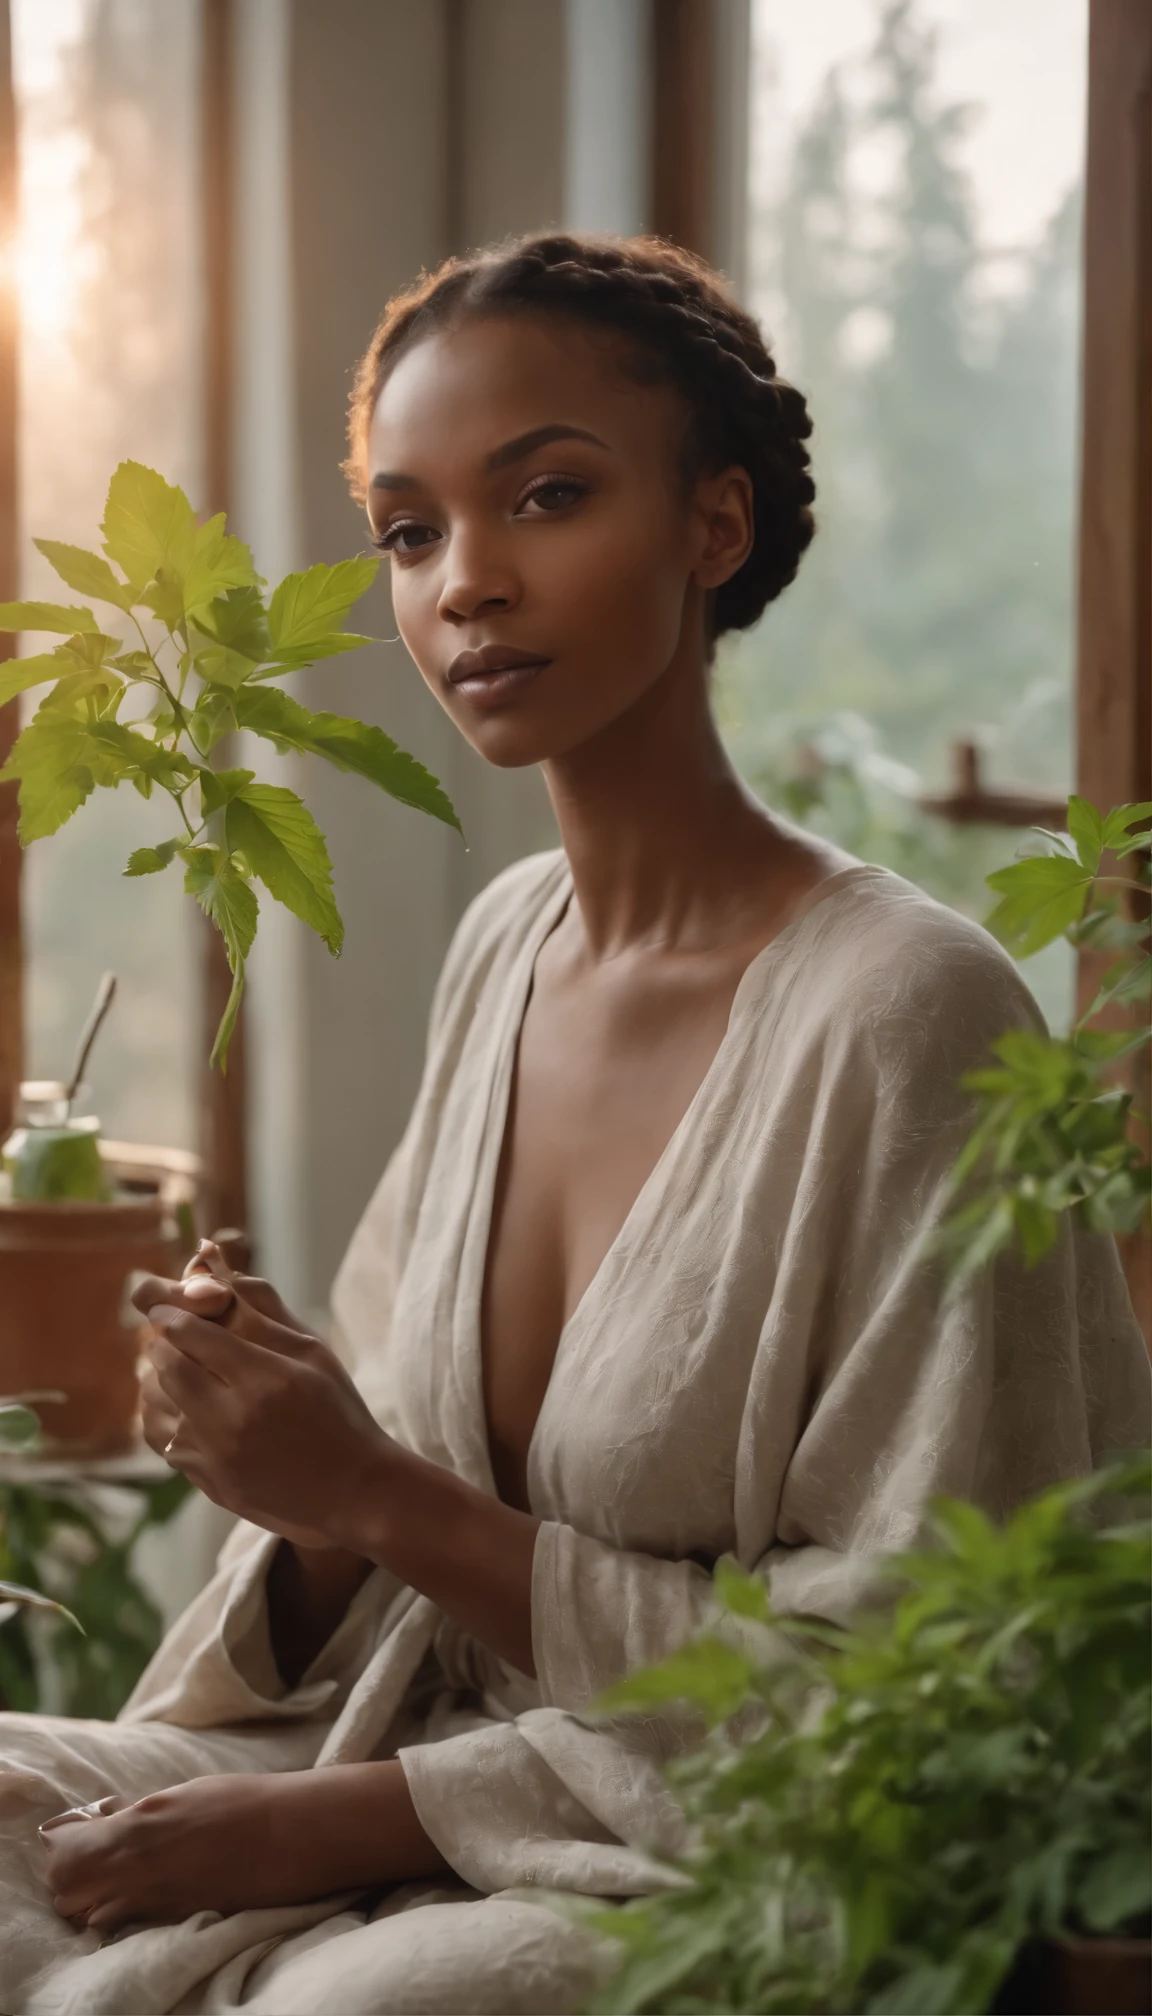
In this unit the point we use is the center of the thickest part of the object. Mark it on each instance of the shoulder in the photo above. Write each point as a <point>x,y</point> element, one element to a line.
<point>496,926</point>
<point>887,969</point>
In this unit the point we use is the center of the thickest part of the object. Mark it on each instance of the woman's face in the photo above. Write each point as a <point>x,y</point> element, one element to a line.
<point>549,567</point>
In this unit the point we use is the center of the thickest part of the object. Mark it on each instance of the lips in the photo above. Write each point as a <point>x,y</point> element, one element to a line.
<point>492,676</point>
<point>492,659</point>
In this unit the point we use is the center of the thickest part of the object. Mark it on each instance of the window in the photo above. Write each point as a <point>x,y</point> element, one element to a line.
<point>110,343</point>
<point>915,201</point>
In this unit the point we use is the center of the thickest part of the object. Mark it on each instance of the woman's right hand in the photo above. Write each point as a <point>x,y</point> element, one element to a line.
<point>209,1289</point>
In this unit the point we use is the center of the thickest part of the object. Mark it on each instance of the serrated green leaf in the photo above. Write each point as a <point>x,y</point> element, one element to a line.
<point>213,717</point>
<point>306,608</point>
<point>87,573</point>
<point>1119,822</point>
<point>165,597</point>
<point>284,847</point>
<point>1041,897</point>
<point>1086,829</point>
<point>219,787</point>
<point>135,751</point>
<point>148,525</point>
<point>218,562</point>
<point>51,616</point>
<point>330,645</point>
<point>18,675</point>
<point>239,620</point>
<point>85,696</point>
<point>228,898</point>
<point>136,664</point>
<point>59,762</point>
<point>349,744</point>
<point>150,860</point>
<point>224,895</point>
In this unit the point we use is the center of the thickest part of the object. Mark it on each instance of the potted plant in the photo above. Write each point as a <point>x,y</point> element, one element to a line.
<point>948,1808</point>
<point>902,1815</point>
<point>190,650</point>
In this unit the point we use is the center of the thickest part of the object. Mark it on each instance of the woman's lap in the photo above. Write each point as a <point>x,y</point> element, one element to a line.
<point>49,1762</point>
<point>426,1949</point>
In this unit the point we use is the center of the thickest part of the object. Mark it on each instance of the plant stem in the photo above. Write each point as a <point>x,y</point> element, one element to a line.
<point>173,702</point>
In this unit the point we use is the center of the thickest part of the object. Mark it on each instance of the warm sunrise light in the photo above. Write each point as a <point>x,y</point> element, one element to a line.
<point>52,257</point>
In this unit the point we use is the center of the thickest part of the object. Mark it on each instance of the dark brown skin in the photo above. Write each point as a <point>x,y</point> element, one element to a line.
<point>593,559</point>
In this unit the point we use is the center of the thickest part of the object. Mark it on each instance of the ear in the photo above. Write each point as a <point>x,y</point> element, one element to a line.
<point>723,505</point>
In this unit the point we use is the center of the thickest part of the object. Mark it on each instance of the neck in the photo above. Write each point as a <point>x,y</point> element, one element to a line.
<point>663,839</point>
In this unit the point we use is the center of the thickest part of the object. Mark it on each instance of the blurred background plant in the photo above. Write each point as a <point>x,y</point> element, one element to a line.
<point>76,1543</point>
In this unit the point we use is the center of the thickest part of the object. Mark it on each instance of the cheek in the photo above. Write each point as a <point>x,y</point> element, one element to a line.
<point>615,584</point>
<point>414,600</point>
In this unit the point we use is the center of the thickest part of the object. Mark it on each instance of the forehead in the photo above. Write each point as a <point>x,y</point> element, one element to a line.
<point>458,393</point>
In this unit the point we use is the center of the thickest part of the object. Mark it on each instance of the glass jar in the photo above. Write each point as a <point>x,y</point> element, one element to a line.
<point>53,1155</point>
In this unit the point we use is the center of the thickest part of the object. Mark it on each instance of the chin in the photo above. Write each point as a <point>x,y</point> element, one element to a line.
<point>515,739</point>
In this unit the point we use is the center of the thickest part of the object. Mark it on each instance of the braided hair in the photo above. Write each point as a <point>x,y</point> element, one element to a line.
<point>680,326</point>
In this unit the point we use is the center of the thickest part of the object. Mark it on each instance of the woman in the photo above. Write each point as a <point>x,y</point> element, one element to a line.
<point>645,1282</point>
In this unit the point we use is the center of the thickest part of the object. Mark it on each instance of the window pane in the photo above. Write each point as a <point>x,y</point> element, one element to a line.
<point>915,241</point>
<point>109,368</point>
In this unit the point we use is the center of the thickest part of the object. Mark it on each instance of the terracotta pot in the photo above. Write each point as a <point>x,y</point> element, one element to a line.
<point>64,1269</point>
<point>1079,1977</point>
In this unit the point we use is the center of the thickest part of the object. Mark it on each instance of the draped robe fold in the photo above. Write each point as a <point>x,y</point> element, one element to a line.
<point>762,1367</point>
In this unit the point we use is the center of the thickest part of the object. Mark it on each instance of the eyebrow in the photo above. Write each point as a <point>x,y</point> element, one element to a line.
<point>500,458</point>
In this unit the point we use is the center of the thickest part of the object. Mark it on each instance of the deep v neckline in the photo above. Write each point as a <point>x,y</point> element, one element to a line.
<point>499,1111</point>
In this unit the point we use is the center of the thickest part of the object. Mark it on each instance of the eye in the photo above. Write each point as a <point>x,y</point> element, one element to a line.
<point>554,493</point>
<point>405,536</point>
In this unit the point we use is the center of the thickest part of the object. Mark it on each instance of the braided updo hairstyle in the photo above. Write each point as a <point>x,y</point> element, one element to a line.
<point>679,326</point>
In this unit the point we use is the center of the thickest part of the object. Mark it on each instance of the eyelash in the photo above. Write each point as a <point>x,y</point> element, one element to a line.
<point>385,541</point>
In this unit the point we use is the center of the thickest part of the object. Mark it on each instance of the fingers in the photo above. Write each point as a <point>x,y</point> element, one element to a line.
<point>263,1298</point>
<point>191,1370</point>
<point>160,1420</point>
<point>208,1259</point>
<point>198,1293</point>
<point>108,1917</point>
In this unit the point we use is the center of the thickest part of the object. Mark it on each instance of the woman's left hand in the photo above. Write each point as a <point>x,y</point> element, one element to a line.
<point>270,1425</point>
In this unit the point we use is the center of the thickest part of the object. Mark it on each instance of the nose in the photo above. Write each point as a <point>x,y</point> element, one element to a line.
<point>478,579</point>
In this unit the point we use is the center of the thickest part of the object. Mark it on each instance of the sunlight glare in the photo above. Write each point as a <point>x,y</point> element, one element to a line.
<point>52,258</point>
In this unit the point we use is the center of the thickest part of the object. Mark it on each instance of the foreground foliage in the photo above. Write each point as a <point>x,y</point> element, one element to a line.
<point>150,713</point>
<point>1054,1128</point>
<point>921,1793</point>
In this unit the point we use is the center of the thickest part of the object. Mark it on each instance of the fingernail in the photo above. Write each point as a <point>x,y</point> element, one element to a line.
<point>162,1313</point>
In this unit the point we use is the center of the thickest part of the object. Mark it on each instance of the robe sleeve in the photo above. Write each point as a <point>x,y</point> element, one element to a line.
<point>870,1394</point>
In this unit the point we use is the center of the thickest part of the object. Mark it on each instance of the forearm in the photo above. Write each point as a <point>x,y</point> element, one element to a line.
<point>348,1825</point>
<point>470,1553</point>
<point>309,1590</point>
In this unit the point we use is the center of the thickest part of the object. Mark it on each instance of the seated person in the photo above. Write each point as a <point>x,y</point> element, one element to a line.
<point>646,1282</point>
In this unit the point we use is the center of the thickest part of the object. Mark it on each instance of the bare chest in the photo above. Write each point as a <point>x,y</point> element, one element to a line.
<point>603,1079</point>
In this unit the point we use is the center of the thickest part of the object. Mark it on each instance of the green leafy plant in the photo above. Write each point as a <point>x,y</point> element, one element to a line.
<point>205,646</point>
<point>1054,1130</point>
<point>901,1806</point>
<point>19,1429</point>
<point>73,1548</point>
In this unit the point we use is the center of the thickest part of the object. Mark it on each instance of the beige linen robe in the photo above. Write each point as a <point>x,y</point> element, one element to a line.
<point>761,1367</point>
